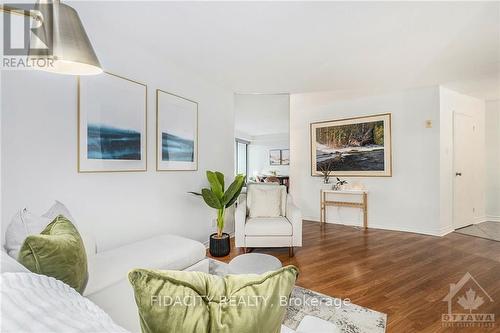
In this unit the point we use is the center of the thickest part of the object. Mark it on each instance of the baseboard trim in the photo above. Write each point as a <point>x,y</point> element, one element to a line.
<point>486,218</point>
<point>437,233</point>
<point>446,230</point>
<point>479,219</point>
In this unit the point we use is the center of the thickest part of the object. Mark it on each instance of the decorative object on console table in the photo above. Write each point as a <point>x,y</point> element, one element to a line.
<point>353,147</point>
<point>176,133</point>
<point>340,184</point>
<point>112,118</point>
<point>324,202</point>
<point>219,198</point>
<point>326,170</point>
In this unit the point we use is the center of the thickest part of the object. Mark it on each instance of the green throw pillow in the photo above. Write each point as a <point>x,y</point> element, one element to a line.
<point>58,252</point>
<point>186,302</point>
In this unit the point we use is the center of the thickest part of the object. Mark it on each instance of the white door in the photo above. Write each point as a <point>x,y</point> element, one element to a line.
<point>463,168</point>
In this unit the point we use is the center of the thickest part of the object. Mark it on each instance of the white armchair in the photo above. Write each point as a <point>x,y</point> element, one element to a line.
<point>283,230</point>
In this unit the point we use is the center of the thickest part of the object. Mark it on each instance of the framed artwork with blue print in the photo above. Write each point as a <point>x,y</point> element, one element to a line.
<point>176,133</point>
<point>112,118</point>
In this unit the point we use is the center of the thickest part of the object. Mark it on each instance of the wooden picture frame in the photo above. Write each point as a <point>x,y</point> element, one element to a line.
<point>176,132</point>
<point>112,124</point>
<point>352,147</point>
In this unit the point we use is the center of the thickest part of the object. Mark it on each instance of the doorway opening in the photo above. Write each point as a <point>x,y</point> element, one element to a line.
<point>262,137</point>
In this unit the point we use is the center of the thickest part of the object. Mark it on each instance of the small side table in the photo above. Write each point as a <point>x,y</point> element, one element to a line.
<point>363,205</point>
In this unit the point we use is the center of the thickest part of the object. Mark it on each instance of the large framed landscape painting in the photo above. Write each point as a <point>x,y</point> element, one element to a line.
<point>176,133</point>
<point>352,147</point>
<point>112,117</point>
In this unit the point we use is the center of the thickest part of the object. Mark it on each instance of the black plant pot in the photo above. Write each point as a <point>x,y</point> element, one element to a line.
<point>219,247</point>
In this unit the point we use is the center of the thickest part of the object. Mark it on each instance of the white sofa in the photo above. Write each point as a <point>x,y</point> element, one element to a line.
<point>108,284</point>
<point>108,289</point>
<point>281,231</point>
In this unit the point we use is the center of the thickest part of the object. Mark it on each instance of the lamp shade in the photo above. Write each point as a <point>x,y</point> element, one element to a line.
<point>70,50</point>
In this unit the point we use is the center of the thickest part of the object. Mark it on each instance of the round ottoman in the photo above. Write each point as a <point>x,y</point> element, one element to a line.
<point>253,263</point>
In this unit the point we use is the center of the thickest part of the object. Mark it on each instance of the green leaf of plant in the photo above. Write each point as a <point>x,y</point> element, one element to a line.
<point>233,191</point>
<point>215,186</point>
<point>211,199</point>
<point>220,177</point>
<point>233,200</point>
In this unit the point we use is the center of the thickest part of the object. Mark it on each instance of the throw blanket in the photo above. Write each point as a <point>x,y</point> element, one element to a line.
<point>37,303</point>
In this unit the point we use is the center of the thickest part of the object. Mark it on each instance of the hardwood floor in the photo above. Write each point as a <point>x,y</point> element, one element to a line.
<point>404,275</point>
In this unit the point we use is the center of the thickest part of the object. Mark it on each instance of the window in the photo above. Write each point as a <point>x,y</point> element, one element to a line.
<point>241,156</point>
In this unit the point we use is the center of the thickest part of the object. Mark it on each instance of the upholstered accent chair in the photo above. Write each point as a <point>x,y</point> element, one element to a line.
<point>266,217</point>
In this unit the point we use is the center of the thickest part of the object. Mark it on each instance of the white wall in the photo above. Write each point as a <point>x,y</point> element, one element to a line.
<point>261,114</point>
<point>493,160</point>
<point>450,102</point>
<point>258,154</point>
<point>409,200</point>
<point>39,153</point>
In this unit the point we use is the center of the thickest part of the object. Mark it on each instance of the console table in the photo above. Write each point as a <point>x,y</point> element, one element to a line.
<point>325,202</point>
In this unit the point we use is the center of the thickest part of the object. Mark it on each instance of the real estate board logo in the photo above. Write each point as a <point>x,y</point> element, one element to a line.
<point>465,299</point>
<point>27,35</point>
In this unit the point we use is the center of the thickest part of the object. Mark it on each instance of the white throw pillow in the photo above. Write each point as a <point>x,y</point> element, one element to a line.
<point>58,208</point>
<point>265,202</point>
<point>24,223</point>
<point>21,226</point>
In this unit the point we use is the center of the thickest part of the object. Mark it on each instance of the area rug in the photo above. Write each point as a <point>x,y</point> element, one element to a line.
<point>488,230</point>
<point>350,318</point>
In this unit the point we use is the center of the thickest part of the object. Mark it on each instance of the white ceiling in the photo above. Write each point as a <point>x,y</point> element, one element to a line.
<point>314,46</point>
<point>256,115</point>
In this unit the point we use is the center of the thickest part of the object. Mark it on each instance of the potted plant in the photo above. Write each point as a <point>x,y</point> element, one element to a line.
<point>220,199</point>
<point>325,171</point>
<point>326,168</point>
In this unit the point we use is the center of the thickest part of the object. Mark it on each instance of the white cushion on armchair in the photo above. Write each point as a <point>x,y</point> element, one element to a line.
<point>272,187</point>
<point>268,226</point>
<point>265,202</point>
